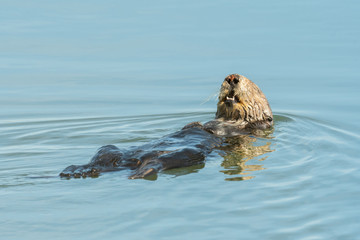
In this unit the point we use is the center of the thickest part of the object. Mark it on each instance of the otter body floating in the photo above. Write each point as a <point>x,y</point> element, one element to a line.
<point>242,108</point>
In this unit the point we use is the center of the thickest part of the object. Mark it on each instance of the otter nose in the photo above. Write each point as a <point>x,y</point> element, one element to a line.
<point>232,81</point>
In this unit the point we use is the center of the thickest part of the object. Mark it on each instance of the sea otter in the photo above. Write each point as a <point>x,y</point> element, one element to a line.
<point>242,108</point>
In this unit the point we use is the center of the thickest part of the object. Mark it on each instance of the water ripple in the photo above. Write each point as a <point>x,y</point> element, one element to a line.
<point>302,176</point>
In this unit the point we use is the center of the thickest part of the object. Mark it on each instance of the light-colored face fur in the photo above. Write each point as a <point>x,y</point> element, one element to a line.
<point>241,101</point>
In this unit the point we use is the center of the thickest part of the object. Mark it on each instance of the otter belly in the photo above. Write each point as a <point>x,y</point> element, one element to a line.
<point>184,148</point>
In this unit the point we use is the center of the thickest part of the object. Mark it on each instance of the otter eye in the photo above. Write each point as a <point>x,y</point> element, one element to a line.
<point>236,81</point>
<point>270,119</point>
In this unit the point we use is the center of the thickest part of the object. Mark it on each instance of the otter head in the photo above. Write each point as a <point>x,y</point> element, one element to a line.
<point>241,101</point>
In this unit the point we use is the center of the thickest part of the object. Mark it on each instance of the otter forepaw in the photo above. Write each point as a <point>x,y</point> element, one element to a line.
<point>150,174</point>
<point>80,171</point>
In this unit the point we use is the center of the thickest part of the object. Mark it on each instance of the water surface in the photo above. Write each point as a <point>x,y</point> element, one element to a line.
<point>77,75</point>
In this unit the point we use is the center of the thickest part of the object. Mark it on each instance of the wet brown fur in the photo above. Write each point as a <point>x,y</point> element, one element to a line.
<point>241,101</point>
<point>242,105</point>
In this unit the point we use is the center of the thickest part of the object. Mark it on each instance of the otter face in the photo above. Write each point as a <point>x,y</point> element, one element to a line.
<point>241,101</point>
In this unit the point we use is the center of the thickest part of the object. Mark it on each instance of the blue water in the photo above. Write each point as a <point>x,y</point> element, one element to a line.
<point>77,75</point>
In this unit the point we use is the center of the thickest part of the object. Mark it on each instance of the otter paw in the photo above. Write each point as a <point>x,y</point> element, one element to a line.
<point>79,171</point>
<point>150,174</point>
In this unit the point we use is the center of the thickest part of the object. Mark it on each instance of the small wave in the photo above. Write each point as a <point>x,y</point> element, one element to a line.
<point>298,142</point>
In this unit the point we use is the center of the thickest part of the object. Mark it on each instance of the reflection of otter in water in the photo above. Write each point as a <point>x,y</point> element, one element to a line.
<point>238,150</point>
<point>242,108</point>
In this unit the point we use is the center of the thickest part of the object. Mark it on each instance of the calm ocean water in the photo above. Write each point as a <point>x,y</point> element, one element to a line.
<point>76,75</point>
